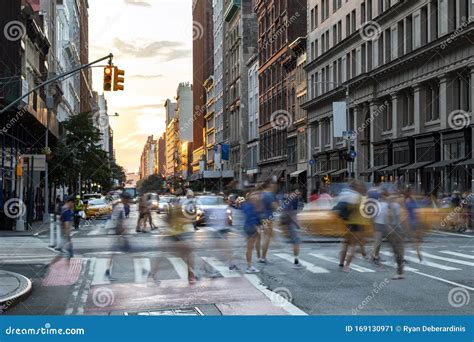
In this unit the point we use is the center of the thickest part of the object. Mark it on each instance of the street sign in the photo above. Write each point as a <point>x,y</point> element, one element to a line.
<point>312,162</point>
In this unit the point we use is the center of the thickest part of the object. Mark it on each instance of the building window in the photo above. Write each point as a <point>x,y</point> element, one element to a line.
<point>432,101</point>
<point>408,109</point>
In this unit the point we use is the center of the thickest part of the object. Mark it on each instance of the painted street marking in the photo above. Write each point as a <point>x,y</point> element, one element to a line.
<point>425,262</point>
<point>357,268</point>
<point>454,261</point>
<point>221,267</point>
<point>180,267</point>
<point>309,266</point>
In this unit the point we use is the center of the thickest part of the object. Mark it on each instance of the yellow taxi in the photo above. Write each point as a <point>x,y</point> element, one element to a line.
<point>98,207</point>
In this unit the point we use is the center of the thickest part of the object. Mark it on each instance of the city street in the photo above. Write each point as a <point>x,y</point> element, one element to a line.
<point>318,289</point>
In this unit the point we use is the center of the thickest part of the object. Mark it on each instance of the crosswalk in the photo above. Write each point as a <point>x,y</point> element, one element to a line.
<point>139,269</point>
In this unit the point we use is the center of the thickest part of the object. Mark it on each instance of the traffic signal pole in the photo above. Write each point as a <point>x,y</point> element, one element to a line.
<point>54,79</point>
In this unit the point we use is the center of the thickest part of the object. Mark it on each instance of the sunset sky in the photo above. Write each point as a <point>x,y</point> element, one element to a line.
<point>152,41</point>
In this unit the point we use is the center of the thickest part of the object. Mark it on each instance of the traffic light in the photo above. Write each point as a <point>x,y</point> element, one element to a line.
<point>326,180</point>
<point>108,78</point>
<point>118,79</point>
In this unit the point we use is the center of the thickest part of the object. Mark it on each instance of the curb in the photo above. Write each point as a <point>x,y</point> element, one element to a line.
<point>25,289</point>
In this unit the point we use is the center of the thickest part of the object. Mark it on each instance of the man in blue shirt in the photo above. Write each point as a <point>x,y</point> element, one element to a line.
<point>269,209</point>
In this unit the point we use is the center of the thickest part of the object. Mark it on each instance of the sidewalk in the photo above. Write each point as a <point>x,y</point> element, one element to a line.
<point>37,228</point>
<point>13,286</point>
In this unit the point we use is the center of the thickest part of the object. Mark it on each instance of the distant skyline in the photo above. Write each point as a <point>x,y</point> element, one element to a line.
<point>152,41</point>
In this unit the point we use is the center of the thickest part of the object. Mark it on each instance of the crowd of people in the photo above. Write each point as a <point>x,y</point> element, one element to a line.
<point>263,208</point>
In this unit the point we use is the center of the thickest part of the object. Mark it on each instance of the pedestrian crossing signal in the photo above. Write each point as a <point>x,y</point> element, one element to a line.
<point>119,79</point>
<point>108,78</point>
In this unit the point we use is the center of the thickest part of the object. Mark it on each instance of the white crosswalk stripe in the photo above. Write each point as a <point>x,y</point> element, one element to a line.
<point>100,266</point>
<point>221,267</point>
<point>454,261</point>
<point>309,266</point>
<point>142,268</point>
<point>462,255</point>
<point>335,261</point>
<point>425,262</point>
<point>180,267</point>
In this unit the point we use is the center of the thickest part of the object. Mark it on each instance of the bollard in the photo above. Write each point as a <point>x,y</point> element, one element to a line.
<point>52,225</point>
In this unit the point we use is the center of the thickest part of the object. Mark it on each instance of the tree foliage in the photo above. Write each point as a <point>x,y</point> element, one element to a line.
<point>153,183</point>
<point>78,152</point>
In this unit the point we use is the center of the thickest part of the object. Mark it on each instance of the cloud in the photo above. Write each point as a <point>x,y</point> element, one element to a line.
<point>137,3</point>
<point>165,50</point>
<point>142,107</point>
<point>146,76</point>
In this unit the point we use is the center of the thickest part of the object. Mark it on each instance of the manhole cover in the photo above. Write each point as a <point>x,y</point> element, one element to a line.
<point>194,311</point>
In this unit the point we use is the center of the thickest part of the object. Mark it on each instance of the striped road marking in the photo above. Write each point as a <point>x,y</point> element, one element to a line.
<point>462,255</point>
<point>454,261</point>
<point>221,267</point>
<point>357,268</point>
<point>425,263</point>
<point>100,266</point>
<point>309,266</point>
<point>180,267</point>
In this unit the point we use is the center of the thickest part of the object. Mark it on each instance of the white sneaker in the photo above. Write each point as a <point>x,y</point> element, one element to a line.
<point>250,270</point>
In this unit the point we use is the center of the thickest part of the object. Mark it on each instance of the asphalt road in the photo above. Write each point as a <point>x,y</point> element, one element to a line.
<point>442,285</point>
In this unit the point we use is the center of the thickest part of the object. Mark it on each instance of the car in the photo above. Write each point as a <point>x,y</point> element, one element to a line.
<point>164,203</point>
<point>97,208</point>
<point>152,200</point>
<point>213,210</point>
<point>87,197</point>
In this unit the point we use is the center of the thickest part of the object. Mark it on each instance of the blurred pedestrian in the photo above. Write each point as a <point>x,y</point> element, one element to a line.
<point>269,208</point>
<point>348,209</point>
<point>252,221</point>
<point>66,219</point>
<point>290,207</point>
<point>142,211</point>
<point>78,211</point>
<point>395,234</point>
<point>381,221</point>
<point>314,196</point>
<point>149,212</point>
<point>118,219</point>
<point>414,227</point>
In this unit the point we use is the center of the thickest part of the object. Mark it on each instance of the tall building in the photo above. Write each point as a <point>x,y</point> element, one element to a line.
<point>210,128</point>
<point>184,112</point>
<point>161,155</point>
<point>101,121</point>
<point>252,124</point>
<point>203,54</point>
<point>86,99</point>
<point>172,139</point>
<point>147,160</point>
<point>240,43</point>
<point>24,56</point>
<point>279,24</point>
<point>218,67</point>
<point>408,71</point>
<point>297,142</point>
<point>67,52</point>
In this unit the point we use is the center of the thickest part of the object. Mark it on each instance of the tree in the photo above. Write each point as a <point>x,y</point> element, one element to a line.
<point>153,183</point>
<point>79,153</point>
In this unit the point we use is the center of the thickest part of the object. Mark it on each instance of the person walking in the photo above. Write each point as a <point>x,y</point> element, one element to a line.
<point>142,210</point>
<point>290,208</point>
<point>348,209</point>
<point>395,235</point>
<point>118,218</point>
<point>78,211</point>
<point>66,219</point>
<point>416,231</point>
<point>252,220</point>
<point>381,221</point>
<point>269,207</point>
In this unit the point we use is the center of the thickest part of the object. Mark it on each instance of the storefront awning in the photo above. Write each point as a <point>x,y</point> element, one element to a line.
<point>340,172</point>
<point>373,169</point>
<point>297,173</point>
<point>445,163</point>
<point>392,168</point>
<point>469,163</point>
<point>416,166</point>
<point>323,173</point>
